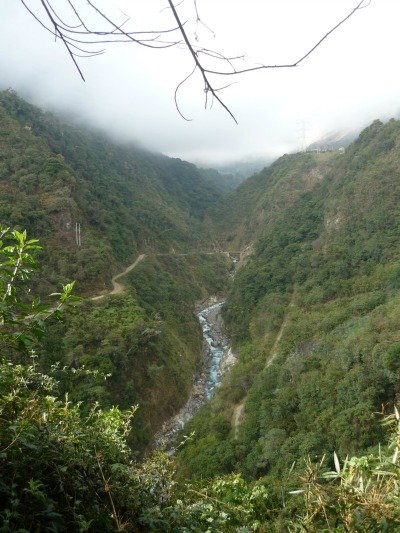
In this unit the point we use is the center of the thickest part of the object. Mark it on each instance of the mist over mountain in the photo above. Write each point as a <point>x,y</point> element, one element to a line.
<point>302,255</point>
<point>56,174</point>
<point>129,91</point>
<point>334,140</point>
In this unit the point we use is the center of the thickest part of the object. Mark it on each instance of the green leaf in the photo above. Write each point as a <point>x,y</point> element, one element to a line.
<point>336,461</point>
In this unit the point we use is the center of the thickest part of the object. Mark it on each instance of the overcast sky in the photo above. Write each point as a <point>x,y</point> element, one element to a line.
<point>349,81</point>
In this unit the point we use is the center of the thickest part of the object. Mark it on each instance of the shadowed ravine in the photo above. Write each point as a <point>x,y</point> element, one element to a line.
<point>218,358</point>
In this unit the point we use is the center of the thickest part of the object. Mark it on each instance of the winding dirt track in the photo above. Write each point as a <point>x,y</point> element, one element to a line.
<point>118,287</point>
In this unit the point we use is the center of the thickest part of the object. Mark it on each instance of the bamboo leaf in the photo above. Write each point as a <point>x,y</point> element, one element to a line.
<point>336,461</point>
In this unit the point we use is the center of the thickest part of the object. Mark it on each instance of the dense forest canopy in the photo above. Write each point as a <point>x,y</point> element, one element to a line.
<point>313,314</point>
<point>54,174</point>
<point>127,201</point>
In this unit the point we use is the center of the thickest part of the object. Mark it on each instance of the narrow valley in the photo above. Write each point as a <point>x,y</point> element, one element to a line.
<point>218,358</point>
<point>280,362</point>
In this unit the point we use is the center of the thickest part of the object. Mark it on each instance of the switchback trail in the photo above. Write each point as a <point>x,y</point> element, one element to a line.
<point>117,287</point>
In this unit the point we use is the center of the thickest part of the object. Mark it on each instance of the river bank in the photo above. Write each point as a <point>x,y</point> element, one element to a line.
<point>218,358</point>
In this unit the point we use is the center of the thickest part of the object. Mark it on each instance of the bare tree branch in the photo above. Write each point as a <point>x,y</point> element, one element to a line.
<point>76,36</point>
<point>205,71</point>
<point>359,6</point>
<point>176,94</point>
<point>207,86</point>
<point>199,21</point>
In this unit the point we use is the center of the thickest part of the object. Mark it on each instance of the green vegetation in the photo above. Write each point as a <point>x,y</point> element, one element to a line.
<point>128,201</point>
<point>54,174</point>
<point>314,314</point>
<point>148,339</point>
<point>223,181</point>
<point>64,470</point>
<point>255,206</point>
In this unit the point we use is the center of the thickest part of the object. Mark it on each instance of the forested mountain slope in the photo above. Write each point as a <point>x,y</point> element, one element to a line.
<point>128,202</point>
<point>248,212</point>
<point>314,315</point>
<point>224,181</point>
<point>315,312</point>
<point>54,175</point>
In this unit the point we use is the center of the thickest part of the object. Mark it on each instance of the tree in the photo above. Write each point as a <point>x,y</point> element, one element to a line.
<point>72,24</point>
<point>23,316</point>
<point>64,470</point>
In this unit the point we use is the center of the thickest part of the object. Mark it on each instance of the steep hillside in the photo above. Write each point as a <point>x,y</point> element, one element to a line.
<point>127,201</point>
<point>261,200</point>
<point>223,181</point>
<point>315,312</point>
<point>147,339</point>
<point>54,175</point>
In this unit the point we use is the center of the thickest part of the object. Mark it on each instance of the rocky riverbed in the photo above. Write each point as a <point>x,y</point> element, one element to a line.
<point>218,358</point>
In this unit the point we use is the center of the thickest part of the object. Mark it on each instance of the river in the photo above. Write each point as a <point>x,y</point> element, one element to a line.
<point>218,358</point>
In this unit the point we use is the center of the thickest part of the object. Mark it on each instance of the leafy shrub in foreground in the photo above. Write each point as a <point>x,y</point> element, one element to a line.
<point>62,470</point>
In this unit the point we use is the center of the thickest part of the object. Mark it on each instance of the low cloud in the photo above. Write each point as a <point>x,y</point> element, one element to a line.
<point>129,92</point>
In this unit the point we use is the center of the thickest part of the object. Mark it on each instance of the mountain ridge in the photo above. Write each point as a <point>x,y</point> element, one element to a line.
<point>313,313</point>
<point>127,200</point>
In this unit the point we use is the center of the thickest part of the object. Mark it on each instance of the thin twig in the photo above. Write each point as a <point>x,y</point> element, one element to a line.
<point>176,94</point>
<point>76,36</point>
<point>207,85</point>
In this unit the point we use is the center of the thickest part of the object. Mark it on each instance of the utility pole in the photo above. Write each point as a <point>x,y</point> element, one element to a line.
<point>78,234</point>
<point>303,127</point>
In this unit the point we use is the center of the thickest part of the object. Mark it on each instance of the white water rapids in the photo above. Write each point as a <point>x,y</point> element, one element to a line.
<point>217,359</point>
